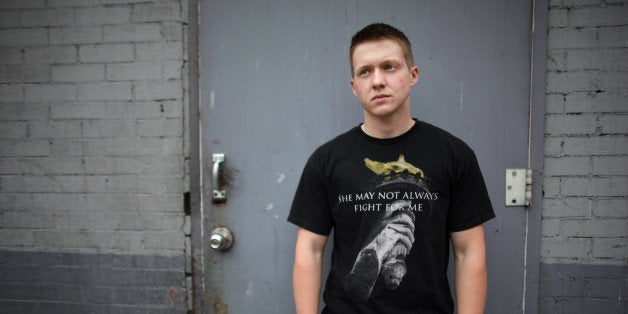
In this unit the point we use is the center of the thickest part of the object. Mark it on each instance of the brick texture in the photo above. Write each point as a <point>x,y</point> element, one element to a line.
<point>585,226</point>
<point>92,153</point>
<point>86,111</point>
<point>577,288</point>
<point>586,135</point>
<point>92,137</point>
<point>55,282</point>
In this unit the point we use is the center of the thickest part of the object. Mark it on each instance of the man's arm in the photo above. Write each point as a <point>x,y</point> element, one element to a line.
<point>470,270</point>
<point>308,269</point>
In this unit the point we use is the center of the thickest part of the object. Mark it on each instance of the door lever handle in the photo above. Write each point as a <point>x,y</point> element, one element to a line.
<point>219,195</point>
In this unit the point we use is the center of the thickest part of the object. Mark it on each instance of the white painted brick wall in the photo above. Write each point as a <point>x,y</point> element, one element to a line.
<point>92,126</point>
<point>92,136</point>
<point>585,206</point>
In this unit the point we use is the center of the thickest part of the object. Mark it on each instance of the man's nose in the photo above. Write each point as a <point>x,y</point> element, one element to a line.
<point>378,79</point>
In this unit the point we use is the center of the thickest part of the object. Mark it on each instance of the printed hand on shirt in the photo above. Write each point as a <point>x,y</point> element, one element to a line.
<point>385,253</point>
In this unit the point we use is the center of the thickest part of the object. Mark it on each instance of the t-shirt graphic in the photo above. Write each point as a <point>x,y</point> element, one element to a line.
<point>405,203</point>
<point>392,205</point>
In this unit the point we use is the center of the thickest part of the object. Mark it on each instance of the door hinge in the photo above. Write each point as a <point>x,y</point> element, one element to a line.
<point>518,187</point>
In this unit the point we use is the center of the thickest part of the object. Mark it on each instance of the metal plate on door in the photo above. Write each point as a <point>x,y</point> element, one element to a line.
<point>517,187</point>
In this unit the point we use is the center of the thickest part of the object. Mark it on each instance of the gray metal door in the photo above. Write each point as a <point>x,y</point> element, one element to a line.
<point>274,84</point>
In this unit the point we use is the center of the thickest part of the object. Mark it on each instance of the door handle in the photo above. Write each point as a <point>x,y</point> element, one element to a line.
<point>221,239</point>
<point>219,195</point>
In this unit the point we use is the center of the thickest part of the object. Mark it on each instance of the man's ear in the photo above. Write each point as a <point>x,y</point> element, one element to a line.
<point>353,88</point>
<point>414,72</point>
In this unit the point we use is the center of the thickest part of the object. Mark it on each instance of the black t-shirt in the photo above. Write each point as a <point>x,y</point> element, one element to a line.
<point>392,204</point>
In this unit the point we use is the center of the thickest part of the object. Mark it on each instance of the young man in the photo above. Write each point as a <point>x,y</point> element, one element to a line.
<point>396,191</point>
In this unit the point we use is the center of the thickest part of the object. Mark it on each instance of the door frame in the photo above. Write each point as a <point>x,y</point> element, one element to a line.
<point>538,77</point>
<point>194,146</point>
<point>536,140</point>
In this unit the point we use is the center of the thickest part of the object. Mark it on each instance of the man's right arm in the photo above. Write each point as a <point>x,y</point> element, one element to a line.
<point>308,269</point>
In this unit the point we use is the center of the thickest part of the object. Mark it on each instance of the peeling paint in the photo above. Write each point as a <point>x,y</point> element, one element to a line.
<point>219,306</point>
<point>280,177</point>
<point>171,295</point>
<point>249,289</point>
<point>461,92</point>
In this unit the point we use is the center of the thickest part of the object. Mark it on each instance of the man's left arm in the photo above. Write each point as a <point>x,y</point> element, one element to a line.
<point>470,270</point>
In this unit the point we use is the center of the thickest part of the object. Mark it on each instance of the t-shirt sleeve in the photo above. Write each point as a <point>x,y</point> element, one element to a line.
<point>470,204</point>
<point>310,206</point>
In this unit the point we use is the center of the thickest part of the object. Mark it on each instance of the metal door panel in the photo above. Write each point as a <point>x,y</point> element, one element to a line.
<point>274,84</point>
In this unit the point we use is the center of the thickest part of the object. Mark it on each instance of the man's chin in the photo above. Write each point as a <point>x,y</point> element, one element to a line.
<point>382,111</point>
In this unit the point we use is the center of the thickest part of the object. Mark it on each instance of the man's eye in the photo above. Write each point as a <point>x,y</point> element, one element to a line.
<point>389,67</point>
<point>364,72</point>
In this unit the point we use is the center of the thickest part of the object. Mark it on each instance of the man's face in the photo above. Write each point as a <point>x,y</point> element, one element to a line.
<point>381,78</point>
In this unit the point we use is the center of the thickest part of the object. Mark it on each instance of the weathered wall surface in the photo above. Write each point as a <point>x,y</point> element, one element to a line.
<point>92,156</point>
<point>585,226</point>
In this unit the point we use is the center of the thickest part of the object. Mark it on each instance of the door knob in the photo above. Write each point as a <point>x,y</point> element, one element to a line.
<point>221,239</point>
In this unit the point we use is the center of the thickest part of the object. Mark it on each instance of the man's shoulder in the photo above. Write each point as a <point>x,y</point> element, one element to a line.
<point>325,155</point>
<point>442,136</point>
<point>337,143</point>
<point>434,130</point>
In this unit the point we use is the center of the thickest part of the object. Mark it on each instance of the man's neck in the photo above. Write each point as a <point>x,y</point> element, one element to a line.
<point>381,128</point>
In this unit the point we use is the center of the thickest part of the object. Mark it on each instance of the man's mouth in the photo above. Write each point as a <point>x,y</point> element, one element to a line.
<point>377,97</point>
